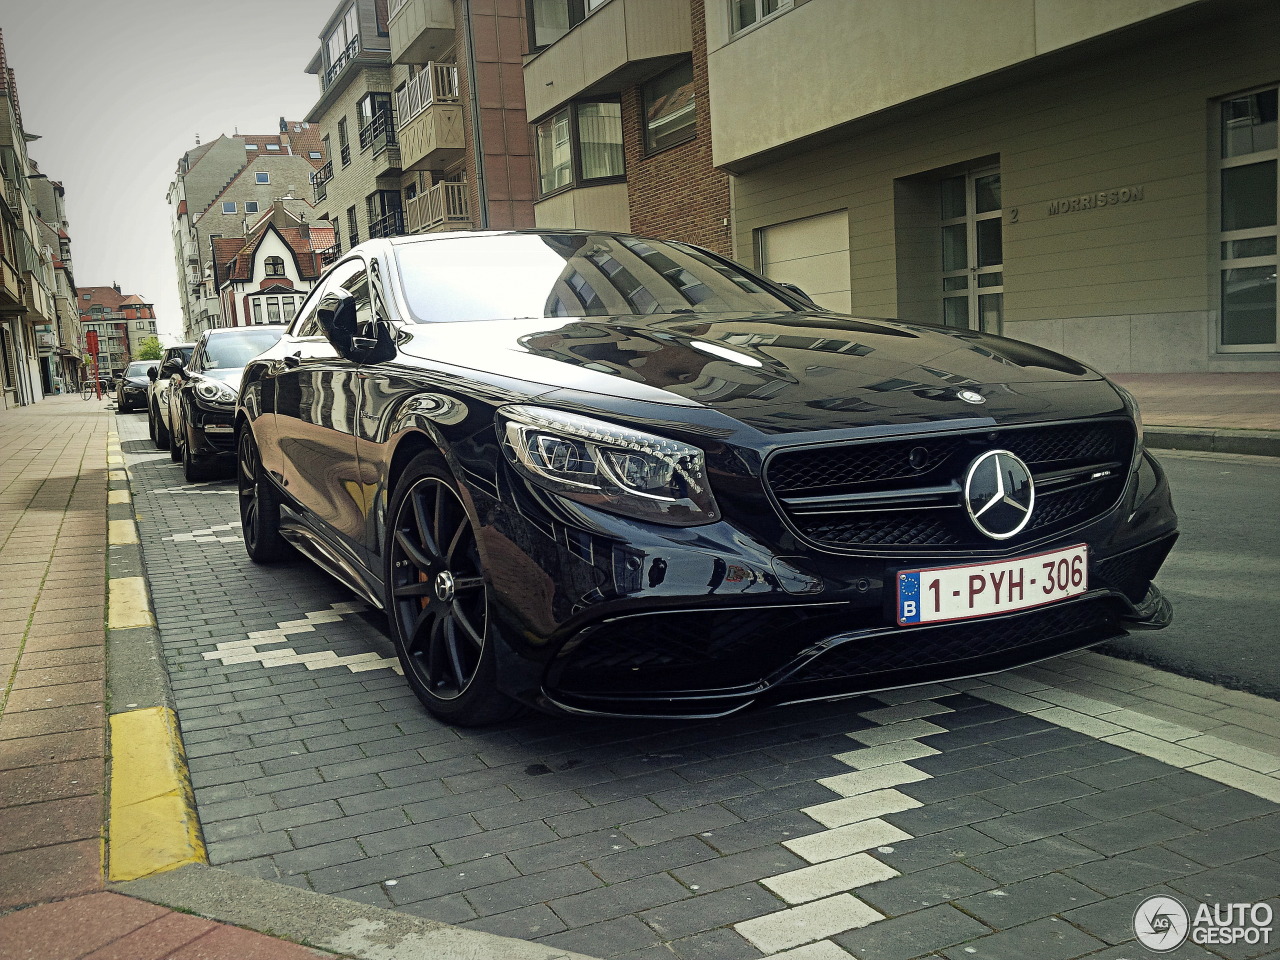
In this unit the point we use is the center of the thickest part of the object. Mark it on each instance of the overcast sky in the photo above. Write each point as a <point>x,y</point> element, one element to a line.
<point>118,91</point>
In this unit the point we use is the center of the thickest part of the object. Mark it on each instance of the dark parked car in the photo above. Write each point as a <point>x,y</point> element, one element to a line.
<point>612,475</point>
<point>131,386</point>
<point>158,391</point>
<point>202,398</point>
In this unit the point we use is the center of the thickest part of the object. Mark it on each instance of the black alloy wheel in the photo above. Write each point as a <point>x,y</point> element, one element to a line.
<point>161,436</point>
<point>194,470</point>
<point>259,504</point>
<point>438,600</point>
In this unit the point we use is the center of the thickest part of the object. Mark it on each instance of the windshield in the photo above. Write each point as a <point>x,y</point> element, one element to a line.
<point>570,275</point>
<point>138,368</point>
<point>227,351</point>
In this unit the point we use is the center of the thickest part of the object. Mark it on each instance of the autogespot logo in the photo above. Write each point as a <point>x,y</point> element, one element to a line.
<point>1161,924</point>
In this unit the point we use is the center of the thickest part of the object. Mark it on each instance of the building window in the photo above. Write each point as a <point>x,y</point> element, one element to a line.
<point>344,145</point>
<point>353,230</point>
<point>251,146</point>
<point>257,311</point>
<point>88,296</point>
<point>580,144</point>
<point>262,178</point>
<point>251,206</point>
<point>549,20</point>
<point>315,155</point>
<point>228,206</point>
<point>274,266</point>
<point>1249,239</point>
<point>670,109</point>
<point>271,146</point>
<point>747,13</point>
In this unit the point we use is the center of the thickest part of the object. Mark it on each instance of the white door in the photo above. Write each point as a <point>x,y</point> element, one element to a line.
<point>812,253</point>
<point>973,252</point>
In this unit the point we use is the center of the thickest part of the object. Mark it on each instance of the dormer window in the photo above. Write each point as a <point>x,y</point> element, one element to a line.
<point>274,266</point>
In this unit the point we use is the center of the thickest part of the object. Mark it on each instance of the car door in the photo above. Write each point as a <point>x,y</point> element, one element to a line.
<point>316,402</point>
<point>178,382</point>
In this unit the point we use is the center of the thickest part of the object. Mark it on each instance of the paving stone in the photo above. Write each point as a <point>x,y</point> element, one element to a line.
<point>1016,828</point>
<point>920,853</point>
<point>527,923</point>
<point>247,847</point>
<point>1032,859</point>
<point>451,908</point>
<point>615,900</point>
<point>713,945</point>
<point>1130,833</point>
<point>807,922</point>
<point>711,910</point>
<point>392,866</point>
<point>905,730</point>
<point>825,879</point>
<point>738,868</point>
<point>707,791</point>
<point>594,818</point>
<point>1049,939</point>
<point>441,882</point>
<point>699,820</point>
<point>838,813</point>
<point>844,841</point>
<point>1037,793</point>
<point>318,856</point>
<point>642,861</point>
<point>935,817</point>
<point>782,774</point>
<point>349,826</point>
<point>1027,900</point>
<point>1216,809</point>
<point>1117,876</point>
<point>1140,797</point>
<point>912,935</point>
<point>961,784</point>
<point>1237,841</point>
<point>417,835</point>
<point>779,800</point>
<point>1245,881</point>
<point>925,888</point>
<point>525,891</point>
<point>493,842</point>
<point>608,939</point>
<point>1121,773</point>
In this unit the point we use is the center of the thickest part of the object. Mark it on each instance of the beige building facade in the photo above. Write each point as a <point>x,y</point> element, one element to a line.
<point>1095,177</point>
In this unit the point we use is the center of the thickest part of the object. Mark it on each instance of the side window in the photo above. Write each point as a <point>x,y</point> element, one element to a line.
<point>197,358</point>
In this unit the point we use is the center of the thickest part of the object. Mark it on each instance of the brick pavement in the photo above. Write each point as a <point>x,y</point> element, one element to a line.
<point>53,748</point>
<point>1023,815</point>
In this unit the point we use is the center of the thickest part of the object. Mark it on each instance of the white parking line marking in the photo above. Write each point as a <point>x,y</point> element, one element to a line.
<point>246,651</point>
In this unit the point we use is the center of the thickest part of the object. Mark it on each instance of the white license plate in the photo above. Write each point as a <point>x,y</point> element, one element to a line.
<point>939,594</point>
<point>217,428</point>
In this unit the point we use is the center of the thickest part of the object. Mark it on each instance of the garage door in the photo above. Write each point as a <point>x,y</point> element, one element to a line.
<point>812,253</point>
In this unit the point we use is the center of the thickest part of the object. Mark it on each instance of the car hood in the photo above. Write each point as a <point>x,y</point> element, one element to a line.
<point>776,371</point>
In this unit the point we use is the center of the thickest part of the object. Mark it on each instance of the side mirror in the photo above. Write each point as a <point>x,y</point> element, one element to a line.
<point>172,366</point>
<point>336,315</point>
<point>153,373</point>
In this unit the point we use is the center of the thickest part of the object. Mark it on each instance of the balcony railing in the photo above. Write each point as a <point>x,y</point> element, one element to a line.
<point>435,83</point>
<point>388,225</point>
<point>346,153</point>
<point>379,133</point>
<point>394,7</point>
<point>445,203</point>
<point>329,254</point>
<point>320,179</point>
<point>347,55</point>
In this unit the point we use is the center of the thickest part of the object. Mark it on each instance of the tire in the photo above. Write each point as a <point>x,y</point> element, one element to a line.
<point>151,423</point>
<point>175,441</point>
<point>438,600</point>
<point>192,469</point>
<point>259,504</point>
<point>161,436</point>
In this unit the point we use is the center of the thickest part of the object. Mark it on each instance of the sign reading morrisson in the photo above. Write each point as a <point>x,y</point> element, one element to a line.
<point>1092,201</point>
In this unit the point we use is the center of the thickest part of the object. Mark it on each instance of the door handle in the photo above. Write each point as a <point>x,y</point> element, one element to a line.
<point>293,360</point>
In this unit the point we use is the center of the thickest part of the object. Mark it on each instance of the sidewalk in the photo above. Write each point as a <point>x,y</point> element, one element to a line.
<point>1222,412</point>
<point>60,496</point>
<point>53,748</point>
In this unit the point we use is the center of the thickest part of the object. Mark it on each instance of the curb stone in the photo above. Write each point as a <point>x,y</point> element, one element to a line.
<point>1258,443</point>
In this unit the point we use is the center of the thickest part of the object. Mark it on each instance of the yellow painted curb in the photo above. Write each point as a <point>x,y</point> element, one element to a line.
<point>127,604</point>
<point>117,496</point>
<point>153,824</point>
<point>120,532</point>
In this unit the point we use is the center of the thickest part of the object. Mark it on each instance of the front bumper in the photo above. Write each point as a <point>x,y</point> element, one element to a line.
<point>212,431</point>
<point>603,615</point>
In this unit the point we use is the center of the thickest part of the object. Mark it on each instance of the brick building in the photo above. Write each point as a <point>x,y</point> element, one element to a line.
<point>121,320</point>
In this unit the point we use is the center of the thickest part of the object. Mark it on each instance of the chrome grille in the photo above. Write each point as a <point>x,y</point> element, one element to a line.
<point>907,494</point>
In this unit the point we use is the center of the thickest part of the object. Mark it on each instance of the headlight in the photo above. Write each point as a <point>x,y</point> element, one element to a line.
<point>607,466</point>
<point>215,391</point>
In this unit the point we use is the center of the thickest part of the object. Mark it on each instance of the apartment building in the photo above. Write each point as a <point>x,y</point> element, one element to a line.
<point>422,108</point>
<point>1099,178</point>
<point>617,92</point>
<point>34,255</point>
<point>219,189</point>
<point>121,320</point>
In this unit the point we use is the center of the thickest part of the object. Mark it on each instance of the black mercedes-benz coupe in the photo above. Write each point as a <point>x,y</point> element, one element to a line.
<point>610,475</point>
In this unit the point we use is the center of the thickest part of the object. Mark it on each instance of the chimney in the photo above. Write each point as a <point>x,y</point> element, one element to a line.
<point>115,287</point>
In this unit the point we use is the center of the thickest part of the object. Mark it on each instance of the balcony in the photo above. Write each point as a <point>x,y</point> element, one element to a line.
<point>388,225</point>
<point>618,44</point>
<point>320,180</point>
<point>446,206</point>
<point>348,54</point>
<point>431,135</point>
<point>420,30</point>
<point>10,286</point>
<point>328,255</point>
<point>378,139</point>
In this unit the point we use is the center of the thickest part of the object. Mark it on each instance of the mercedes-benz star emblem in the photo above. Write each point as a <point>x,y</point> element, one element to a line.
<point>999,494</point>
<point>971,396</point>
